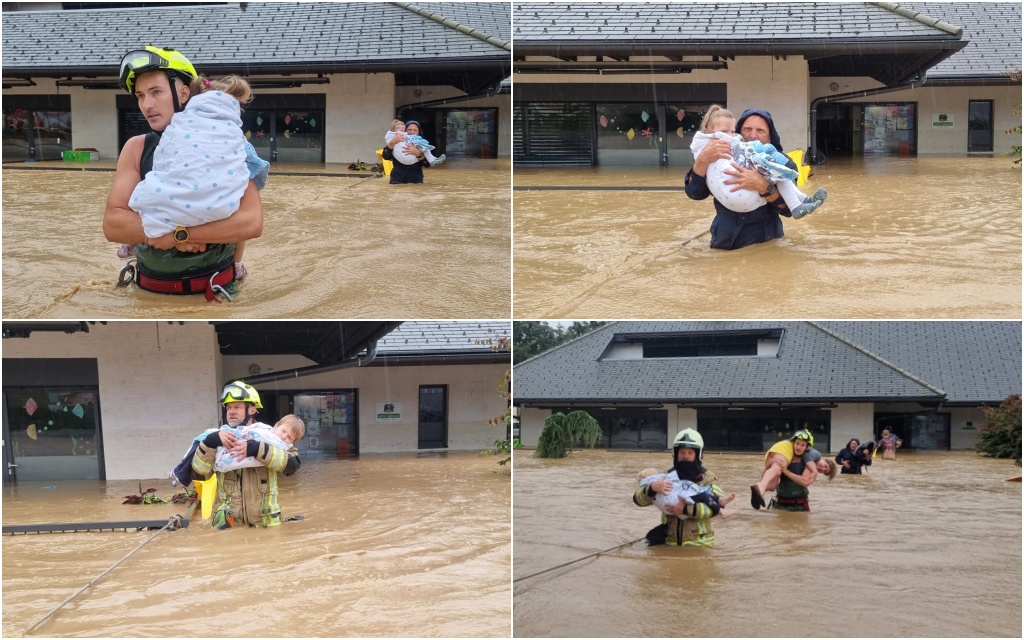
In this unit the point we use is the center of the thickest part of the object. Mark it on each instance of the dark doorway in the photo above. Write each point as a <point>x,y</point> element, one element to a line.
<point>979,126</point>
<point>757,429</point>
<point>433,417</point>
<point>835,130</point>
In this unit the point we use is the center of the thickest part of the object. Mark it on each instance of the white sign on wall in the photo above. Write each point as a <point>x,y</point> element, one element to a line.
<point>389,412</point>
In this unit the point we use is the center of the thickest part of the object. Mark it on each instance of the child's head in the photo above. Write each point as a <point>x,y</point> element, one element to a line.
<point>234,86</point>
<point>718,119</point>
<point>827,466</point>
<point>290,428</point>
<point>646,473</point>
<point>397,125</point>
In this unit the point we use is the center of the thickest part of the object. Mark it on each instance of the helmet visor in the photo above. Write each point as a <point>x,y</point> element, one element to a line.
<point>234,393</point>
<point>135,63</point>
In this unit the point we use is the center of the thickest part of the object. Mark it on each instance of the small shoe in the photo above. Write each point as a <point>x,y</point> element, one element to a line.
<point>240,271</point>
<point>438,160</point>
<point>126,251</point>
<point>810,204</point>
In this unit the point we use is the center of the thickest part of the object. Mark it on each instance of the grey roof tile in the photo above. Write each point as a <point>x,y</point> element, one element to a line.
<point>993,32</point>
<point>812,365</point>
<point>443,336</point>
<point>250,34</point>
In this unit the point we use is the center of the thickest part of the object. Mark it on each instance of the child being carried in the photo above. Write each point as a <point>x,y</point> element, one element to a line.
<point>686,491</point>
<point>398,127</point>
<point>720,124</point>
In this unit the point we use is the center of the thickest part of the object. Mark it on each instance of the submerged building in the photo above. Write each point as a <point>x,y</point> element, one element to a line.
<point>746,385</point>
<point>122,400</point>
<point>628,83</point>
<point>328,76</point>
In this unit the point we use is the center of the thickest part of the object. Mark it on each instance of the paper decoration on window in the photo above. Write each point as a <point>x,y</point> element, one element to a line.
<point>603,121</point>
<point>287,133</point>
<point>31,431</point>
<point>248,134</point>
<point>680,115</point>
<point>312,122</point>
<point>288,119</point>
<point>646,132</point>
<point>78,411</point>
<point>631,134</point>
<point>645,116</point>
<point>679,132</point>
<point>259,120</point>
<point>30,406</point>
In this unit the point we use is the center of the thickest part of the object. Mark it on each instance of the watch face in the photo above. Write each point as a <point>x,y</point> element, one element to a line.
<point>181,235</point>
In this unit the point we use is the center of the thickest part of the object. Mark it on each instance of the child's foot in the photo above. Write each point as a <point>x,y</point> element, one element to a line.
<point>810,204</point>
<point>724,500</point>
<point>240,271</point>
<point>438,160</point>
<point>126,251</point>
<point>726,512</point>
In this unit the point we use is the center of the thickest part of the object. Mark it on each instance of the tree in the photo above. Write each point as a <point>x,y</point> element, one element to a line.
<point>562,432</point>
<point>531,337</point>
<point>1000,437</point>
<point>502,447</point>
<point>1015,149</point>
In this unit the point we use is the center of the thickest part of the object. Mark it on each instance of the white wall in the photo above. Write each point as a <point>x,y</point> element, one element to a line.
<point>963,426</point>
<point>158,387</point>
<point>473,398</point>
<point>851,420</point>
<point>777,86</point>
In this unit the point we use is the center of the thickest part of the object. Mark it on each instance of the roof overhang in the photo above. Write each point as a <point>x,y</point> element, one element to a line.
<point>704,403</point>
<point>323,342</point>
<point>891,62</point>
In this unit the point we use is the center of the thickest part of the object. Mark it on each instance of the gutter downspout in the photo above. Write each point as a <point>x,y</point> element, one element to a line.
<point>451,24</point>
<point>298,372</point>
<point>814,159</point>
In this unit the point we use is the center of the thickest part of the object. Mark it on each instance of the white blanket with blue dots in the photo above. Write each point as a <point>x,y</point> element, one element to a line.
<point>200,168</point>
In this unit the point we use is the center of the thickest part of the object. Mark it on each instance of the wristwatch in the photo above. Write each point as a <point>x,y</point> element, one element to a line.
<point>771,189</point>
<point>181,234</point>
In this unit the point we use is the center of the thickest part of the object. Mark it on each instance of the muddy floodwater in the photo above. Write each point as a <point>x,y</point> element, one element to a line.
<point>332,247</point>
<point>391,546</point>
<point>927,546</point>
<point>897,238</point>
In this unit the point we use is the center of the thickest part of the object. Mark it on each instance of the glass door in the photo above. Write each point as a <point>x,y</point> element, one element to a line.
<point>35,134</point>
<point>52,433</point>
<point>433,417</point>
<point>286,135</point>
<point>472,133</point>
<point>979,126</point>
<point>330,418</point>
<point>629,135</point>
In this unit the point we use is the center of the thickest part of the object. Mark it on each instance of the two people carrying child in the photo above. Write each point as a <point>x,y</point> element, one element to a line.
<point>203,220</point>
<point>247,491</point>
<point>733,229</point>
<point>854,457</point>
<point>684,522</point>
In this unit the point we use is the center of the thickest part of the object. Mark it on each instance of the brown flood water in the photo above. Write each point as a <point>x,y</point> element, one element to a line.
<point>391,546</point>
<point>898,238</point>
<point>927,546</point>
<point>332,247</point>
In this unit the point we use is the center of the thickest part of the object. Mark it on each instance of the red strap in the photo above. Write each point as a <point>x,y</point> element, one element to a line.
<point>195,285</point>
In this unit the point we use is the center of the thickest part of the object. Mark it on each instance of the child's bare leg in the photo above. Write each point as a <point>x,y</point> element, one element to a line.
<point>240,271</point>
<point>724,500</point>
<point>772,472</point>
<point>726,512</point>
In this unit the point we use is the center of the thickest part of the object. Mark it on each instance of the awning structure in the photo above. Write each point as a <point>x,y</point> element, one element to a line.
<point>324,342</point>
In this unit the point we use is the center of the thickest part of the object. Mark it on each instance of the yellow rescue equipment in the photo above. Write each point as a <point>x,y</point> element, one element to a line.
<point>805,170</point>
<point>387,164</point>
<point>206,493</point>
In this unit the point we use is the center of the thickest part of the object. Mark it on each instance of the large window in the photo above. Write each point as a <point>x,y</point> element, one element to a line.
<point>36,127</point>
<point>286,134</point>
<point>330,417</point>
<point>757,429</point>
<point>890,129</point>
<point>552,133</point>
<point>472,133</point>
<point>52,433</point>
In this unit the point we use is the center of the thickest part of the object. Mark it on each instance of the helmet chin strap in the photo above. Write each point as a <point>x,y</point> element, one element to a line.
<point>174,92</point>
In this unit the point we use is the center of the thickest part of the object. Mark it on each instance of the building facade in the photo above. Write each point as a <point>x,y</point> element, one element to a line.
<point>123,400</point>
<point>628,83</point>
<point>328,77</point>
<point>746,385</point>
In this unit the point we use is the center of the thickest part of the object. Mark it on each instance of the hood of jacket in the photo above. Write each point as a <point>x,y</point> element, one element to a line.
<point>772,131</point>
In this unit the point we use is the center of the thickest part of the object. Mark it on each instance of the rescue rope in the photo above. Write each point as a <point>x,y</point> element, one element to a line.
<point>566,564</point>
<point>699,235</point>
<point>174,522</point>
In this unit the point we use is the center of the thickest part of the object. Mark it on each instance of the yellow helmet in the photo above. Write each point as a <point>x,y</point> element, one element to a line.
<point>135,63</point>
<point>239,391</point>
<point>804,434</point>
<point>691,439</point>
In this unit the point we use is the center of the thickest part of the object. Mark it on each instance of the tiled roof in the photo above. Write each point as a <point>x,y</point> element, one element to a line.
<point>254,35</point>
<point>711,22</point>
<point>812,365</point>
<point>441,336</point>
<point>993,32</point>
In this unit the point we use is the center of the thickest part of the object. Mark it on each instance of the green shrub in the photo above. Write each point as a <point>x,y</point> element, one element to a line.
<point>562,432</point>
<point>1000,437</point>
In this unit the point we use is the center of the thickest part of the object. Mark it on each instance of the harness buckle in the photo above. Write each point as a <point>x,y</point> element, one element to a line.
<point>127,275</point>
<point>214,289</point>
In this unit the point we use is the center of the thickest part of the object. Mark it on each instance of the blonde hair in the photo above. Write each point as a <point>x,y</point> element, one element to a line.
<point>832,468</point>
<point>650,471</point>
<point>294,424</point>
<point>235,86</point>
<point>714,113</point>
<point>394,122</point>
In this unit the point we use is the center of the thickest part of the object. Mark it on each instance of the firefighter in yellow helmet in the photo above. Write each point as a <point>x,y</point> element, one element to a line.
<point>798,448</point>
<point>685,524</point>
<point>246,496</point>
<point>196,259</point>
